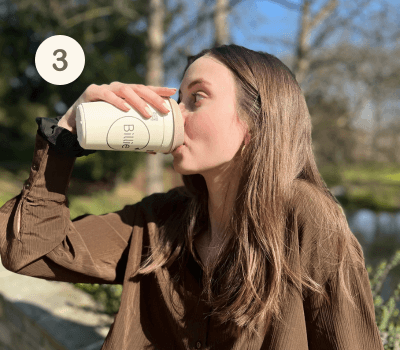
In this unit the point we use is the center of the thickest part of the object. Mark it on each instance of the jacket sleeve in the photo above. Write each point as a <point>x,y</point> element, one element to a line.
<point>61,140</point>
<point>37,237</point>
<point>336,325</point>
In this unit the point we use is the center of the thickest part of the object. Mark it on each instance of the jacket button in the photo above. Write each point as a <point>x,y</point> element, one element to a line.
<point>198,345</point>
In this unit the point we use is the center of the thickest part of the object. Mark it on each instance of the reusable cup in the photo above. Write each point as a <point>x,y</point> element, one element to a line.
<point>102,126</point>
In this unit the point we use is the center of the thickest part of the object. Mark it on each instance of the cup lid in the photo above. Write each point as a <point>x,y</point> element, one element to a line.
<point>179,136</point>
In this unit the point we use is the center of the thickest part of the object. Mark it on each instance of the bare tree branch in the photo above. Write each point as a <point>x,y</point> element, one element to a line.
<point>58,11</point>
<point>125,9</point>
<point>324,13</point>
<point>204,17</point>
<point>287,4</point>
<point>88,15</point>
<point>274,41</point>
<point>336,22</point>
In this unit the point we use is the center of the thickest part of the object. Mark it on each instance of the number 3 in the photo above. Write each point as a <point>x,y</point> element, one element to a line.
<point>62,59</point>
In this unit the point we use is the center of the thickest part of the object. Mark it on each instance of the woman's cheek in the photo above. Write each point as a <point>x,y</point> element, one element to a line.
<point>197,130</point>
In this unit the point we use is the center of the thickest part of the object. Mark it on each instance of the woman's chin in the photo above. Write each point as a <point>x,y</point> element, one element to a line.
<point>183,171</point>
<point>180,169</point>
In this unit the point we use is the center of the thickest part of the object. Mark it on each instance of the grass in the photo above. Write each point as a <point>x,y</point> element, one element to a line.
<point>369,186</point>
<point>124,193</point>
<point>372,186</point>
<point>100,202</point>
<point>375,173</point>
<point>10,184</point>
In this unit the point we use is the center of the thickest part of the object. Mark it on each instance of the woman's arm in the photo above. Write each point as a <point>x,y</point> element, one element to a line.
<point>37,237</point>
<point>340,326</point>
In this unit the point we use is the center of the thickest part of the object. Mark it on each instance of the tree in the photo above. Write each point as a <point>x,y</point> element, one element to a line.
<point>108,46</point>
<point>221,28</point>
<point>155,77</point>
<point>308,23</point>
<point>361,73</point>
<point>331,66</point>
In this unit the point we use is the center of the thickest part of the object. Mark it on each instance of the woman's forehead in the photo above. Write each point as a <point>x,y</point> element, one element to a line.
<point>209,69</point>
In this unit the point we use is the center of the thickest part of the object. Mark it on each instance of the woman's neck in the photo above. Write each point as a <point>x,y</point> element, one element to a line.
<point>222,189</point>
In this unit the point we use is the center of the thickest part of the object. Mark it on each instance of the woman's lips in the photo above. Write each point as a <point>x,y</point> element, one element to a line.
<point>178,149</point>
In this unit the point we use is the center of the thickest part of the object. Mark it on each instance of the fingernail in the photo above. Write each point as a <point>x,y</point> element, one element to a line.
<point>127,105</point>
<point>148,110</point>
<point>173,88</point>
<point>167,106</point>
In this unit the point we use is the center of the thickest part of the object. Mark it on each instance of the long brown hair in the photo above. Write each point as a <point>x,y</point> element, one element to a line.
<point>249,280</point>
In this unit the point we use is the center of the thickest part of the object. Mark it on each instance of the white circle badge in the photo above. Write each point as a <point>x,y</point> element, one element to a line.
<point>60,60</point>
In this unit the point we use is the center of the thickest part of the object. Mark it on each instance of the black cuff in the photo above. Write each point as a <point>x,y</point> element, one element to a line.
<point>60,140</point>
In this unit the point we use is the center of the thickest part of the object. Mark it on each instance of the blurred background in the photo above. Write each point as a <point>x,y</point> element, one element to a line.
<point>345,54</point>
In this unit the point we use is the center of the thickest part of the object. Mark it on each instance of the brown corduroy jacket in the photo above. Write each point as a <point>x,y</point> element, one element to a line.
<point>38,239</point>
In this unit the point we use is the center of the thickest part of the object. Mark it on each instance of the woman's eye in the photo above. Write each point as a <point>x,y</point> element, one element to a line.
<point>196,95</point>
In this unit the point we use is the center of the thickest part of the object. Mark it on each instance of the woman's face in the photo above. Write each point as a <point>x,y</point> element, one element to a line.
<point>213,131</point>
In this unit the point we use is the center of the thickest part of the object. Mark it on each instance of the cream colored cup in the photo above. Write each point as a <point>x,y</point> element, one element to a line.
<point>102,126</point>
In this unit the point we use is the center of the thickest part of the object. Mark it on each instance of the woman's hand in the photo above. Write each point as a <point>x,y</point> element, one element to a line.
<point>118,94</point>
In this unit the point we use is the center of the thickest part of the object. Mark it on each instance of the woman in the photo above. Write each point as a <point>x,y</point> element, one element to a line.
<point>252,253</point>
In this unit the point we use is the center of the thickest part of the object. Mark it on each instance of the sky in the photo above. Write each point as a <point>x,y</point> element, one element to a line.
<point>262,25</point>
<point>257,25</point>
<point>249,21</point>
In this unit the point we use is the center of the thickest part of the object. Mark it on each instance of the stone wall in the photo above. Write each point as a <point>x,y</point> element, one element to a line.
<point>37,314</point>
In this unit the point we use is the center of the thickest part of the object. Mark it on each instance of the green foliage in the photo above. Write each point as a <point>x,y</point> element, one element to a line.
<point>375,197</point>
<point>108,295</point>
<point>367,172</point>
<point>108,165</point>
<point>101,202</point>
<point>331,175</point>
<point>97,204</point>
<point>112,53</point>
<point>373,186</point>
<point>332,135</point>
<point>386,313</point>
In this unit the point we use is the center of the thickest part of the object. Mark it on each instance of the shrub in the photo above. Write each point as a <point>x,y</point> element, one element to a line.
<point>386,313</point>
<point>108,295</point>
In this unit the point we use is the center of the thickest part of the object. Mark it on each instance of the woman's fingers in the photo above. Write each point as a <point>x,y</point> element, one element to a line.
<point>120,95</point>
<point>153,95</point>
<point>125,96</point>
<point>134,100</point>
<point>115,100</point>
<point>137,96</point>
<point>162,91</point>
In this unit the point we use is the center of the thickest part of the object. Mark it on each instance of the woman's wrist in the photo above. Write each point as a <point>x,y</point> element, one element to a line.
<point>62,123</point>
<point>60,137</point>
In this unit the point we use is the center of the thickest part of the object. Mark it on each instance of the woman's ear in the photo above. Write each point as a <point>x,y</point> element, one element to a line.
<point>247,138</point>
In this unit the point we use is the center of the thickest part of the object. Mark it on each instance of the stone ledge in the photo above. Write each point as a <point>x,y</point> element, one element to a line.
<point>48,315</point>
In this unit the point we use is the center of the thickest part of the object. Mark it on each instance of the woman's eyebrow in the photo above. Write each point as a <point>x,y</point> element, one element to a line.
<point>195,82</point>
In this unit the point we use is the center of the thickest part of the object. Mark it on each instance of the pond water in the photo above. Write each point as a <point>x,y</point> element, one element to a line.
<point>371,224</point>
<point>379,236</point>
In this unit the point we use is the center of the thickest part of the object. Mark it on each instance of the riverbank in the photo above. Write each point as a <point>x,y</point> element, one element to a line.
<point>373,186</point>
